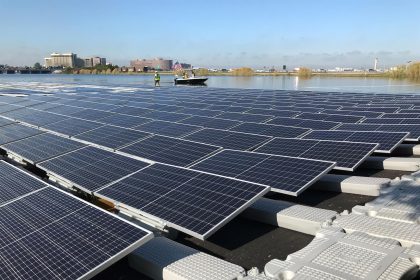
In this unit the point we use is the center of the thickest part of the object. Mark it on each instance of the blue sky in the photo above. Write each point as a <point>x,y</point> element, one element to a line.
<point>229,33</point>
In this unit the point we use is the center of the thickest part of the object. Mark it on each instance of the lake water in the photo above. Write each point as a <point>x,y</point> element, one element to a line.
<point>347,84</point>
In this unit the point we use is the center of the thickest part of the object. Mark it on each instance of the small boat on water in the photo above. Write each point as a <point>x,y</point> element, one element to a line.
<point>190,81</point>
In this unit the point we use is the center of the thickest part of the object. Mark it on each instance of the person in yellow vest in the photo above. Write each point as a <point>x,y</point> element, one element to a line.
<point>157,79</point>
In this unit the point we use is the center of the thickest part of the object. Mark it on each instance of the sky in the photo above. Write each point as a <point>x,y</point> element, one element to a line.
<point>214,33</point>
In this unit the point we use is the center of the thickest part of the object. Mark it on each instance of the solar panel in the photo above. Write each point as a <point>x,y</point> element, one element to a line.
<point>166,116</point>
<point>41,147</point>
<point>387,141</point>
<point>170,150</point>
<point>347,155</point>
<point>244,117</point>
<point>210,122</point>
<point>277,113</point>
<point>111,136</point>
<point>91,168</point>
<point>4,121</point>
<point>9,107</point>
<point>65,110</point>
<point>124,120</point>
<point>14,132</point>
<point>15,183</point>
<point>228,139</point>
<point>133,111</point>
<point>367,114</point>
<point>330,117</point>
<point>168,128</point>
<point>271,130</point>
<point>413,129</point>
<point>49,234</point>
<point>384,121</point>
<point>91,114</point>
<point>200,112</point>
<point>190,201</point>
<point>372,108</point>
<point>400,116</point>
<point>72,126</point>
<point>283,174</point>
<point>312,124</point>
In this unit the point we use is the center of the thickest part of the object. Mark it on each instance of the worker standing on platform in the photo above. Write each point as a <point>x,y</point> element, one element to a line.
<point>157,79</point>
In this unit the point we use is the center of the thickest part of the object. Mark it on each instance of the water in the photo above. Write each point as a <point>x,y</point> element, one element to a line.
<point>346,84</point>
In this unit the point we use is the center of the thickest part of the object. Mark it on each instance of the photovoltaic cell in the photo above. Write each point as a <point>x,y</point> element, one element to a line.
<point>283,174</point>
<point>111,136</point>
<point>210,122</point>
<point>43,233</point>
<point>311,124</point>
<point>170,150</point>
<point>270,130</point>
<point>228,139</point>
<point>244,117</point>
<point>41,147</point>
<point>91,168</point>
<point>4,121</point>
<point>413,129</point>
<point>347,155</point>
<point>190,201</point>
<point>387,141</point>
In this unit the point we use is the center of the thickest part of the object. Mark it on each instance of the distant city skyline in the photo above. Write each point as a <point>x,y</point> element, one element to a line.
<point>214,34</point>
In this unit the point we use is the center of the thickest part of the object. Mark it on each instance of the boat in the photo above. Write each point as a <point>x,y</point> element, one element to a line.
<point>190,81</point>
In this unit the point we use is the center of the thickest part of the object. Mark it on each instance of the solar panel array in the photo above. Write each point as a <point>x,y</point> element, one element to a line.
<point>183,126</point>
<point>48,234</point>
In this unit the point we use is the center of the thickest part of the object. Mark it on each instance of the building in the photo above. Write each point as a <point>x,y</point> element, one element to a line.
<point>152,64</point>
<point>61,60</point>
<point>71,60</point>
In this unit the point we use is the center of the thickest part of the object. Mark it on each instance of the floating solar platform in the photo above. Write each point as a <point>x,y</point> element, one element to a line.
<point>112,137</point>
<point>228,139</point>
<point>165,128</point>
<point>271,130</point>
<point>169,150</point>
<point>347,155</point>
<point>41,147</point>
<point>90,168</point>
<point>387,141</point>
<point>283,174</point>
<point>72,126</point>
<point>208,122</point>
<point>193,202</point>
<point>44,231</point>
<point>14,132</point>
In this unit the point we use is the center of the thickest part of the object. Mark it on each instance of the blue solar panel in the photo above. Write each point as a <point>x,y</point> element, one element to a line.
<point>271,130</point>
<point>400,116</point>
<point>170,150</point>
<point>112,137</point>
<point>91,168</point>
<point>15,183</point>
<point>91,114</point>
<point>168,128</point>
<point>166,116</point>
<point>133,111</point>
<point>72,126</point>
<point>190,201</point>
<point>312,124</point>
<point>329,117</point>
<point>283,174</point>
<point>43,233</point>
<point>413,129</point>
<point>124,120</point>
<point>228,139</point>
<point>14,132</point>
<point>4,121</point>
<point>387,141</point>
<point>347,155</point>
<point>366,114</point>
<point>210,122</point>
<point>200,112</point>
<point>277,113</point>
<point>244,117</point>
<point>41,147</point>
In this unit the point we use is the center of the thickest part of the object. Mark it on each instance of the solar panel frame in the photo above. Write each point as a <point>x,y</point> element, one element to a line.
<point>196,182</point>
<point>295,179</point>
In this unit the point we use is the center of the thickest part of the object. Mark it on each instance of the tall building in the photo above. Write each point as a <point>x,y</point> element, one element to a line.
<point>61,60</point>
<point>152,64</point>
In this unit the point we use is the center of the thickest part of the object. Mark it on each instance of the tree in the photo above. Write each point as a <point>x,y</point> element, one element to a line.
<point>304,72</point>
<point>37,65</point>
<point>244,71</point>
